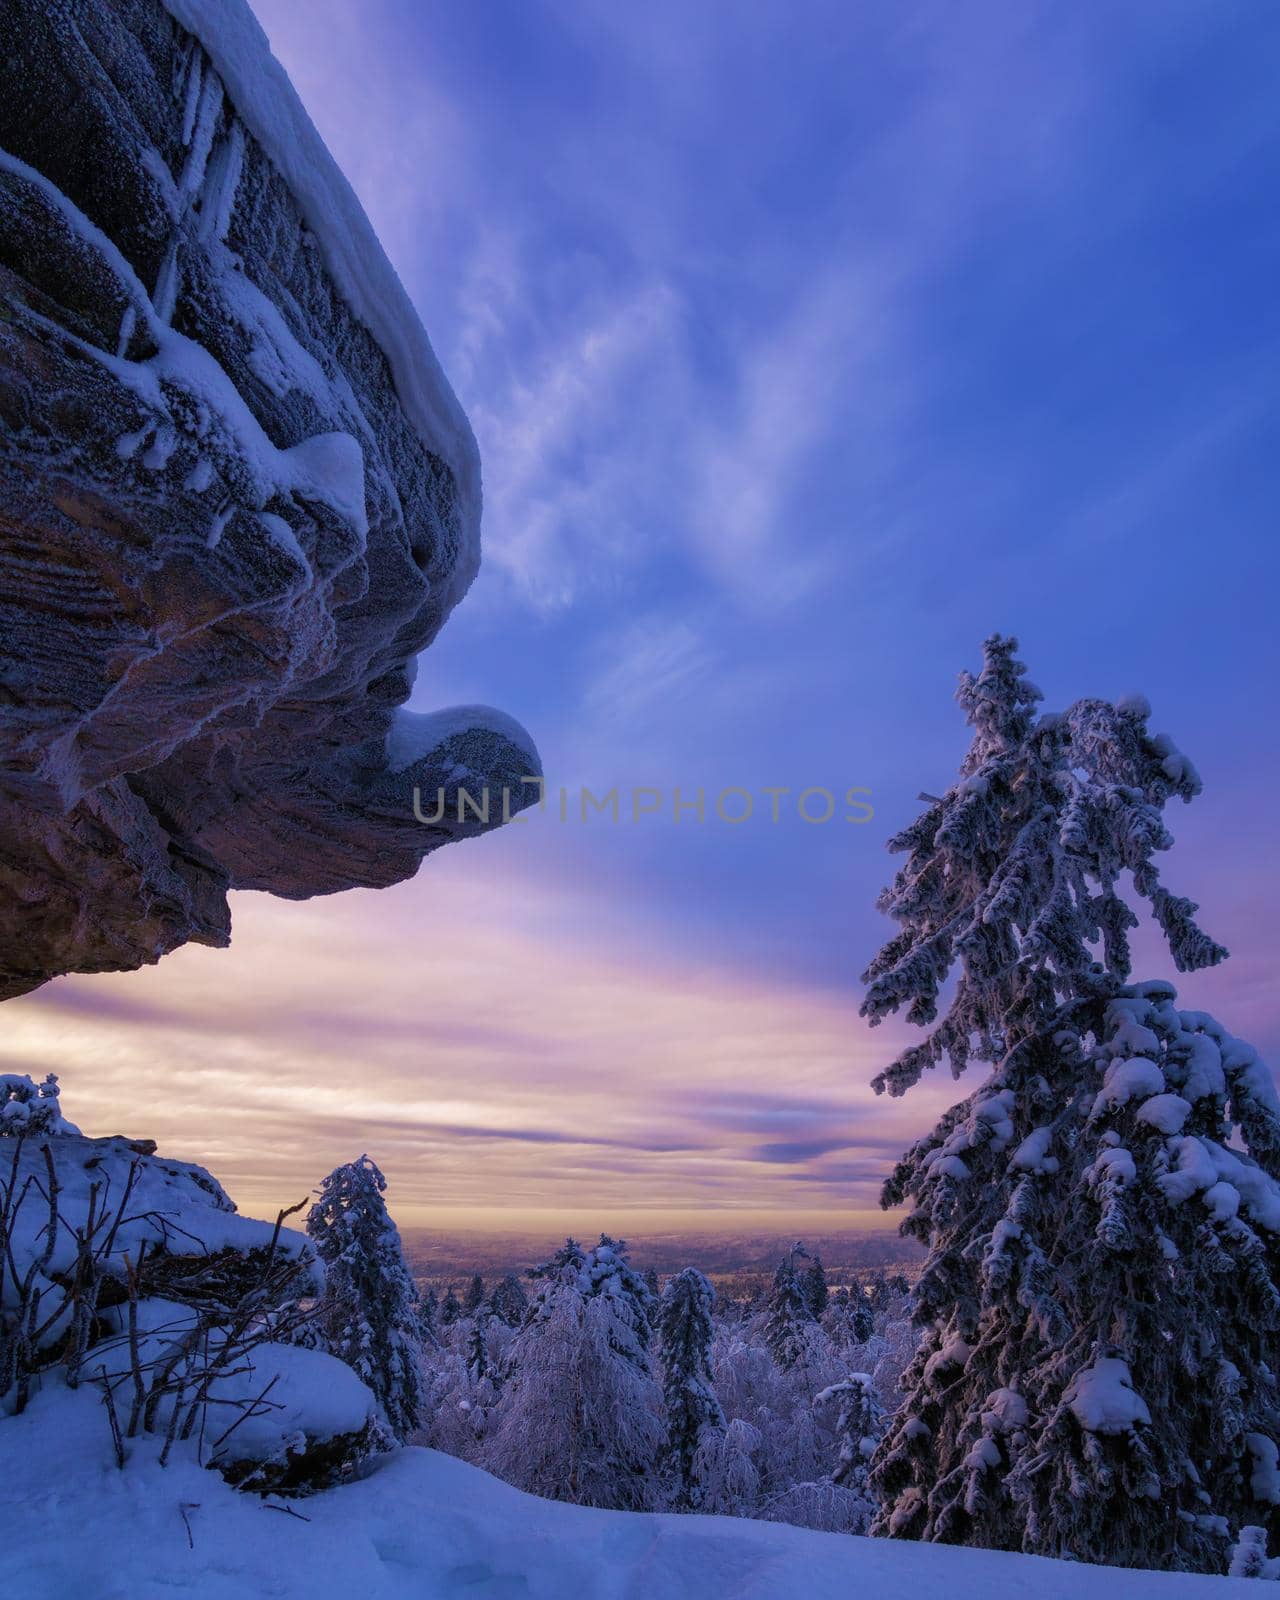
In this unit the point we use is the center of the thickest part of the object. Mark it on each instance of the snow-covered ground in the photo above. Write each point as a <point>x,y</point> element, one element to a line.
<point>423,1526</point>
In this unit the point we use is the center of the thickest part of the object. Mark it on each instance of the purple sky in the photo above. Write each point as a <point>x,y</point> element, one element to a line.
<point>801,356</point>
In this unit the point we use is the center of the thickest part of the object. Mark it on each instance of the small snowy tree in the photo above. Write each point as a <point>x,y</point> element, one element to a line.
<point>450,1309</point>
<point>859,1424</point>
<point>30,1107</point>
<point>579,1414</point>
<point>725,1467</point>
<point>684,1328</point>
<point>509,1301</point>
<point>813,1282</point>
<point>1249,1557</point>
<point>788,1316</point>
<point>368,1314</point>
<point>879,1293</point>
<point>478,1349</point>
<point>840,1502</point>
<point>1099,1307</point>
<point>849,1319</point>
<point>428,1316</point>
<point>474,1296</point>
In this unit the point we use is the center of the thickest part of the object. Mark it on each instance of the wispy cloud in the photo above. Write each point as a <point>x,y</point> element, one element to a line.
<point>658,660</point>
<point>570,467</point>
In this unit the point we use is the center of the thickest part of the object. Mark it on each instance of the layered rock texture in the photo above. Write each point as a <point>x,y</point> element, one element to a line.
<point>238,498</point>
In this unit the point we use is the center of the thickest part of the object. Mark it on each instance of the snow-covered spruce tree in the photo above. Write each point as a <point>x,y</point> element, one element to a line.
<point>688,1393</point>
<point>651,1283</point>
<point>859,1424</point>
<point>428,1315</point>
<point>841,1501</point>
<point>368,1314</point>
<point>578,1417</point>
<point>478,1347</point>
<point>1099,1309</point>
<point>509,1301</point>
<point>814,1284</point>
<point>1249,1558</point>
<point>850,1319</point>
<point>450,1309</point>
<point>787,1319</point>
<point>885,1291</point>
<point>474,1296</point>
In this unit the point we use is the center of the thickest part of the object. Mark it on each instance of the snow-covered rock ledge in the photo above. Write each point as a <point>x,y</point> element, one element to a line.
<point>239,497</point>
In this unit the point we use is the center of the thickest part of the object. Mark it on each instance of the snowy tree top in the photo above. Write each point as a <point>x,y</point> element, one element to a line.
<point>1016,871</point>
<point>30,1107</point>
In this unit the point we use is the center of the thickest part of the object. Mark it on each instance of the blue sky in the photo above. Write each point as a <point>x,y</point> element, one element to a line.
<point>805,346</point>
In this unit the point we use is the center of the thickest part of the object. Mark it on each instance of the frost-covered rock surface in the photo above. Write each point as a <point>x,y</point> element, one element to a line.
<point>239,497</point>
<point>420,1524</point>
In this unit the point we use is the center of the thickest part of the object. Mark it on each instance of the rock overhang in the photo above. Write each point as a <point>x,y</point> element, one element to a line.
<point>239,499</point>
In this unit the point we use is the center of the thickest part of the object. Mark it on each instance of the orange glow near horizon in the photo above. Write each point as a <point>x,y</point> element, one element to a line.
<point>508,1066</point>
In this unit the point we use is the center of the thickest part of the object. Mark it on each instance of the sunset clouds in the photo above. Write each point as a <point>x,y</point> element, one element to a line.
<point>495,1060</point>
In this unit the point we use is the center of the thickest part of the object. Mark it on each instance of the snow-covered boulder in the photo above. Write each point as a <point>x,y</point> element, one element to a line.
<point>132,1279</point>
<point>315,1419</point>
<point>163,1216</point>
<point>239,497</point>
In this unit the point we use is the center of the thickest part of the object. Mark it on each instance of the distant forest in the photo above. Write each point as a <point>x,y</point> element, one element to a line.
<point>736,1263</point>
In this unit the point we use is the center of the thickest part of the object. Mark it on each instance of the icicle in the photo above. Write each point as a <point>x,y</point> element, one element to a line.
<point>127,322</point>
<point>219,196</point>
<point>200,139</point>
<point>195,72</point>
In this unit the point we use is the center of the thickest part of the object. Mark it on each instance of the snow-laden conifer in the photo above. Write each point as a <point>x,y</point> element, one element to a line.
<point>368,1314</point>
<point>688,1392</point>
<point>509,1301</point>
<point>475,1296</point>
<point>30,1107</point>
<point>859,1424</point>
<point>478,1346</point>
<point>813,1282</point>
<point>1015,873</point>
<point>850,1319</point>
<point>1099,1308</point>
<point>788,1319</point>
<point>428,1316</point>
<point>1249,1557</point>
<point>579,1414</point>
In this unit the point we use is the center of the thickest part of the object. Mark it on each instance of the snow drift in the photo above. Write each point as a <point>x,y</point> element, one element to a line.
<point>420,1525</point>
